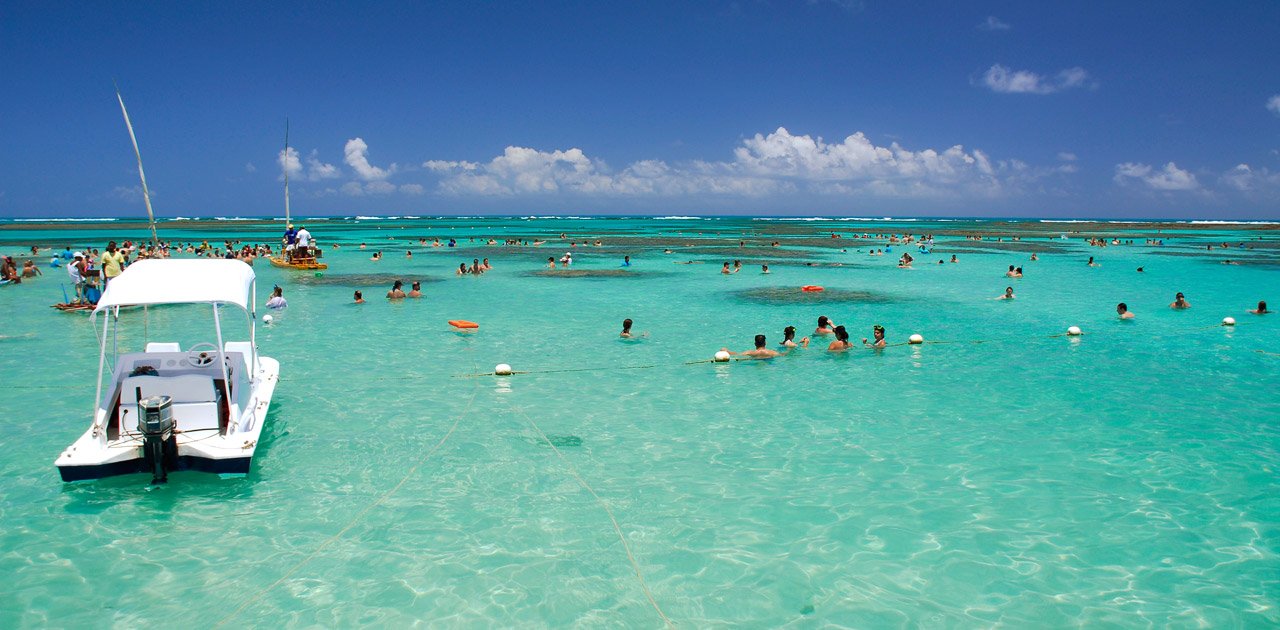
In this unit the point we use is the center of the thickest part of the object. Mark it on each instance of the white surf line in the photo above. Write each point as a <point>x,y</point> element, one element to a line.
<point>617,529</point>
<point>358,517</point>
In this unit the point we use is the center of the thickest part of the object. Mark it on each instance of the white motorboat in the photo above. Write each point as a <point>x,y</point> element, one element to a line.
<point>166,408</point>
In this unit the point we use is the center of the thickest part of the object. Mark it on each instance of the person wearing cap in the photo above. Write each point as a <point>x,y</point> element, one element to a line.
<point>290,237</point>
<point>76,269</point>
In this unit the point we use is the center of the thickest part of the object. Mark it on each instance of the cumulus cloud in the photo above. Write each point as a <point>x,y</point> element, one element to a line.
<point>1245,179</point>
<point>413,189</point>
<point>1066,156</point>
<point>357,189</point>
<point>1273,104</point>
<point>249,167</point>
<point>993,23</point>
<point>357,157</point>
<point>763,164</point>
<point>1007,81</point>
<point>1169,178</point>
<point>291,162</point>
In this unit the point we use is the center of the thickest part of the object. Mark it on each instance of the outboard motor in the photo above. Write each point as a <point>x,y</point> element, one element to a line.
<point>160,447</point>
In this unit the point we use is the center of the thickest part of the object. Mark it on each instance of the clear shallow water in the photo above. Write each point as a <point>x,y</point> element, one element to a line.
<point>1127,477</point>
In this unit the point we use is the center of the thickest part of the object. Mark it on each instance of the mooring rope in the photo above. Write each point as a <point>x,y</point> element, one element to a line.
<point>617,529</point>
<point>357,518</point>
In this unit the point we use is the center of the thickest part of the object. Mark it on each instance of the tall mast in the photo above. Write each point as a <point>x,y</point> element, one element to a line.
<point>286,173</point>
<point>146,194</point>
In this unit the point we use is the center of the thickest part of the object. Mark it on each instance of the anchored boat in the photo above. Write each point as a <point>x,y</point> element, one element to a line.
<point>303,257</point>
<point>166,408</point>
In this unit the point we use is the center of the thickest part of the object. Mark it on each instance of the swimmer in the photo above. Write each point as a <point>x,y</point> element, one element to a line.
<point>1139,269</point>
<point>277,299</point>
<point>626,329</point>
<point>626,261</point>
<point>956,260</point>
<point>462,269</point>
<point>396,292</point>
<point>1122,309</point>
<point>789,338</point>
<point>362,246</point>
<point>359,298</point>
<point>408,254</point>
<point>737,266</point>
<point>764,268</point>
<point>760,351</point>
<point>1179,302</point>
<point>1261,310</point>
<point>1008,294</point>
<point>376,256</point>
<point>877,332</point>
<point>551,262</point>
<point>725,269</point>
<point>416,291</point>
<point>824,326</point>
<point>485,265</point>
<point>1017,273</point>
<point>1010,273</point>
<point>1034,257</point>
<point>1091,263</point>
<point>841,342</point>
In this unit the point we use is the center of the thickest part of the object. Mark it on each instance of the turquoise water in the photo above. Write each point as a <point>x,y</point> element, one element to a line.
<point>1125,477</point>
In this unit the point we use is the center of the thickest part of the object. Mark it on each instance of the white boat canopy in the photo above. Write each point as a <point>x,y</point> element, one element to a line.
<point>216,281</point>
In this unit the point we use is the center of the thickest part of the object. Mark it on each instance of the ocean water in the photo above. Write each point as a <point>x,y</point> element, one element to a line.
<point>1000,474</point>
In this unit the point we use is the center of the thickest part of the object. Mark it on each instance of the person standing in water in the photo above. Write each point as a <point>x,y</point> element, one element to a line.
<point>1261,310</point>
<point>841,342</point>
<point>877,332</point>
<point>396,292</point>
<point>359,298</point>
<point>824,326</point>
<point>277,300</point>
<point>789,338</point>
<point>1122,310</point>
<point>416,292</point>
<point>1179,302</point>
<point>1008,294</point>
<point>626,329</point>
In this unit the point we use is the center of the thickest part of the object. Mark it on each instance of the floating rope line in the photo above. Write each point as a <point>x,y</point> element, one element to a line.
<point>358,517</point>
<point>617,529</point>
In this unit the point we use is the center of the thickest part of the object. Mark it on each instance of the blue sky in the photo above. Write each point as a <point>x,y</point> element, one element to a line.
<point>1111,109</point>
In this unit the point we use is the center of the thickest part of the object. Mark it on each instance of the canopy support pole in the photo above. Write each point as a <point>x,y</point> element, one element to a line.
<point>222,361</point>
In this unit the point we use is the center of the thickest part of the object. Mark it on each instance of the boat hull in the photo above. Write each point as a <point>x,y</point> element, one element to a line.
<point>235,466</point>
<point>308,265</point>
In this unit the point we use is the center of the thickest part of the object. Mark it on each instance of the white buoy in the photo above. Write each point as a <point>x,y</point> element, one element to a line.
<point>1228,321</point>
<point>502,369</point>
<point>267,319</point>
<point>1074,331</point>
<point>722,356</point>
<point>916,339</point>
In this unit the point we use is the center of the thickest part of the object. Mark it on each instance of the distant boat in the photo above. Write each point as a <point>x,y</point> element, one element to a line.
<point>292,259</point>
<point>165,408</point>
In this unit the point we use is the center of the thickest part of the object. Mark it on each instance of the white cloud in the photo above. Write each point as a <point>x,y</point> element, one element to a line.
<point>1246,179</point>
<point>993,23</point>
<point>249,167</point>
<point>413,189</point>
<point>357,158</point>
<point>1273,104</point>
<point>290,162</point>
<point>1007,81</point>
<point>1168,178</point>
<point>763,164</point>
<point>357,189</point>
<point>128,193</point>
<point>317,170</point>
<point>1066,156</point>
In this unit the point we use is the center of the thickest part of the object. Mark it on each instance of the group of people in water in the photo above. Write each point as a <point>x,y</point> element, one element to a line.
<point>840,340</point>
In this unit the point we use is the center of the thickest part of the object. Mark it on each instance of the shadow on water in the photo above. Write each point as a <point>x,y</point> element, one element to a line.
<point>783,296</point>
<point>362,279</point>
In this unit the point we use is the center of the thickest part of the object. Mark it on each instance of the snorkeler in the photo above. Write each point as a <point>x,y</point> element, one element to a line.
<point>1123,310</point>
<point>277,299</point>
<point>841,342</point>
<point>824,326</point>
<point>1179,302</point>
<point>1008,294</point>
<point>877,332</point>
<point>1262,308</point>
<point>789,338</point>
<point>397,291</point>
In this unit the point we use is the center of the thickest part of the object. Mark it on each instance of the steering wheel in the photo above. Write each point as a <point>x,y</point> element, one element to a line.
<point>199,357</point>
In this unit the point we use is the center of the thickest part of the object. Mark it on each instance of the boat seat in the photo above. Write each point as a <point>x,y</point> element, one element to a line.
<point>195,400</point>
<point>163,346</point>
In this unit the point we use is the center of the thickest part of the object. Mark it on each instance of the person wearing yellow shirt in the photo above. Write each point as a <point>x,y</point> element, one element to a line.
<point>113,261</point>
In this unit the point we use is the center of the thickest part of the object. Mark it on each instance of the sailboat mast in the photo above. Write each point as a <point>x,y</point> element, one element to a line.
<point>146,194</point>
<point>286,173</point>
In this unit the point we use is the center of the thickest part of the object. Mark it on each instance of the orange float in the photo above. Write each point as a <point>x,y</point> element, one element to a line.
<point>462,323</point>
<point>811,288</point>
